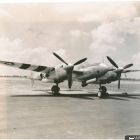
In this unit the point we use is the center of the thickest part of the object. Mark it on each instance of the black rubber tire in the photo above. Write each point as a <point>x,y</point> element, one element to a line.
<point>55,90</point>
<point>103,88</point>
<point>102,92</point>
<point>106,94</point>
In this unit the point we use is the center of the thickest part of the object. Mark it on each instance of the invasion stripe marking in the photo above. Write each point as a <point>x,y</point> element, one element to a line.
<point>40,68</point>
<point>24,66</point>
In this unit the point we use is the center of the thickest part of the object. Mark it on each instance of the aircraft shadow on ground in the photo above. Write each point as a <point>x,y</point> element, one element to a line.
<point>133,96</point>
<point>80,96</point>
<point>87,96</point>
<point>111,96</point>
<point>61,90</point>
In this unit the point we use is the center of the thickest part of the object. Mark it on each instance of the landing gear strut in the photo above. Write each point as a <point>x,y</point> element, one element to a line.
<point>102,92</point>
<point>55,90</point>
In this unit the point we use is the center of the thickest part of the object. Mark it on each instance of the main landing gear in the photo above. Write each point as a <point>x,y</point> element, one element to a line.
<point>102,92</point>
<point>55,90</point>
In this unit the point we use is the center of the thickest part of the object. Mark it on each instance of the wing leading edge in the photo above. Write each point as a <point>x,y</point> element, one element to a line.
<point>30,67</point>
<point>126,71</point>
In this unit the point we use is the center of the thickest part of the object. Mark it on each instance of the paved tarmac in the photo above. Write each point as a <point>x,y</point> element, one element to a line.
<point>27,112</point>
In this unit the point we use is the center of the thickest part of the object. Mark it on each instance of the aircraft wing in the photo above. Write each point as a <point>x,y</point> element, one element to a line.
<point>24,66</point>
<point>126,71</point>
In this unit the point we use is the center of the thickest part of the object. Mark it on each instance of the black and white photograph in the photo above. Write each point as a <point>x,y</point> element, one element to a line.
<point>70,70</point>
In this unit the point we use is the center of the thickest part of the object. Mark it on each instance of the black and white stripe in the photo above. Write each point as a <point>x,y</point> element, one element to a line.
<point>35,68</point>
<point>25,66</point>
<point>40,69</point>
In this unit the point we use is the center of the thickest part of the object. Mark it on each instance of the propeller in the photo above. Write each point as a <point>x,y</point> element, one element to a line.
<point>69,68</point>
<point>119,69</point>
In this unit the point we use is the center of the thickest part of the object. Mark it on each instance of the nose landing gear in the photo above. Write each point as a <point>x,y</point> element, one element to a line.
<point>102,92</point>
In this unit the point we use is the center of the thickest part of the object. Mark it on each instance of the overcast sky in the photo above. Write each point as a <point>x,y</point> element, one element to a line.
<point>29,33</point>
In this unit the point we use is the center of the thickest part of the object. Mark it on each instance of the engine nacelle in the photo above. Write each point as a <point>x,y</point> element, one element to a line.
<point>108,77</point>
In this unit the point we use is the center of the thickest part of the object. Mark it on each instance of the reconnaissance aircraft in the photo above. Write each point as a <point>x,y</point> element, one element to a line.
<point>98,73</point>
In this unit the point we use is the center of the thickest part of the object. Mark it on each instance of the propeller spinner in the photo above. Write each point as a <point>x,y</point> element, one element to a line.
<point>69,68</point>
<point>119,69</point>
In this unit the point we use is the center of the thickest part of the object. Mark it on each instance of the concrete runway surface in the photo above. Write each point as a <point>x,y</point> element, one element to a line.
<point>27,112</point>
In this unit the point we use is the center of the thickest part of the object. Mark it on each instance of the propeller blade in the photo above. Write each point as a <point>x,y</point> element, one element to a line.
<point>112,62</point>
<point>80,61</point>
<point>60,58</point>
<point>69,75</point>
<point>127,66</point>
<point>69,80</point>
<point>119,79</point>
<point>119,84</point>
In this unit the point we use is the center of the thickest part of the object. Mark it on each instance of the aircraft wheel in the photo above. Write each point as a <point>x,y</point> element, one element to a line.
<point>125,94</point>
<point>103,89</point>
<point>99,94</point>
<point>55,90</point>
<point>102,92</point>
